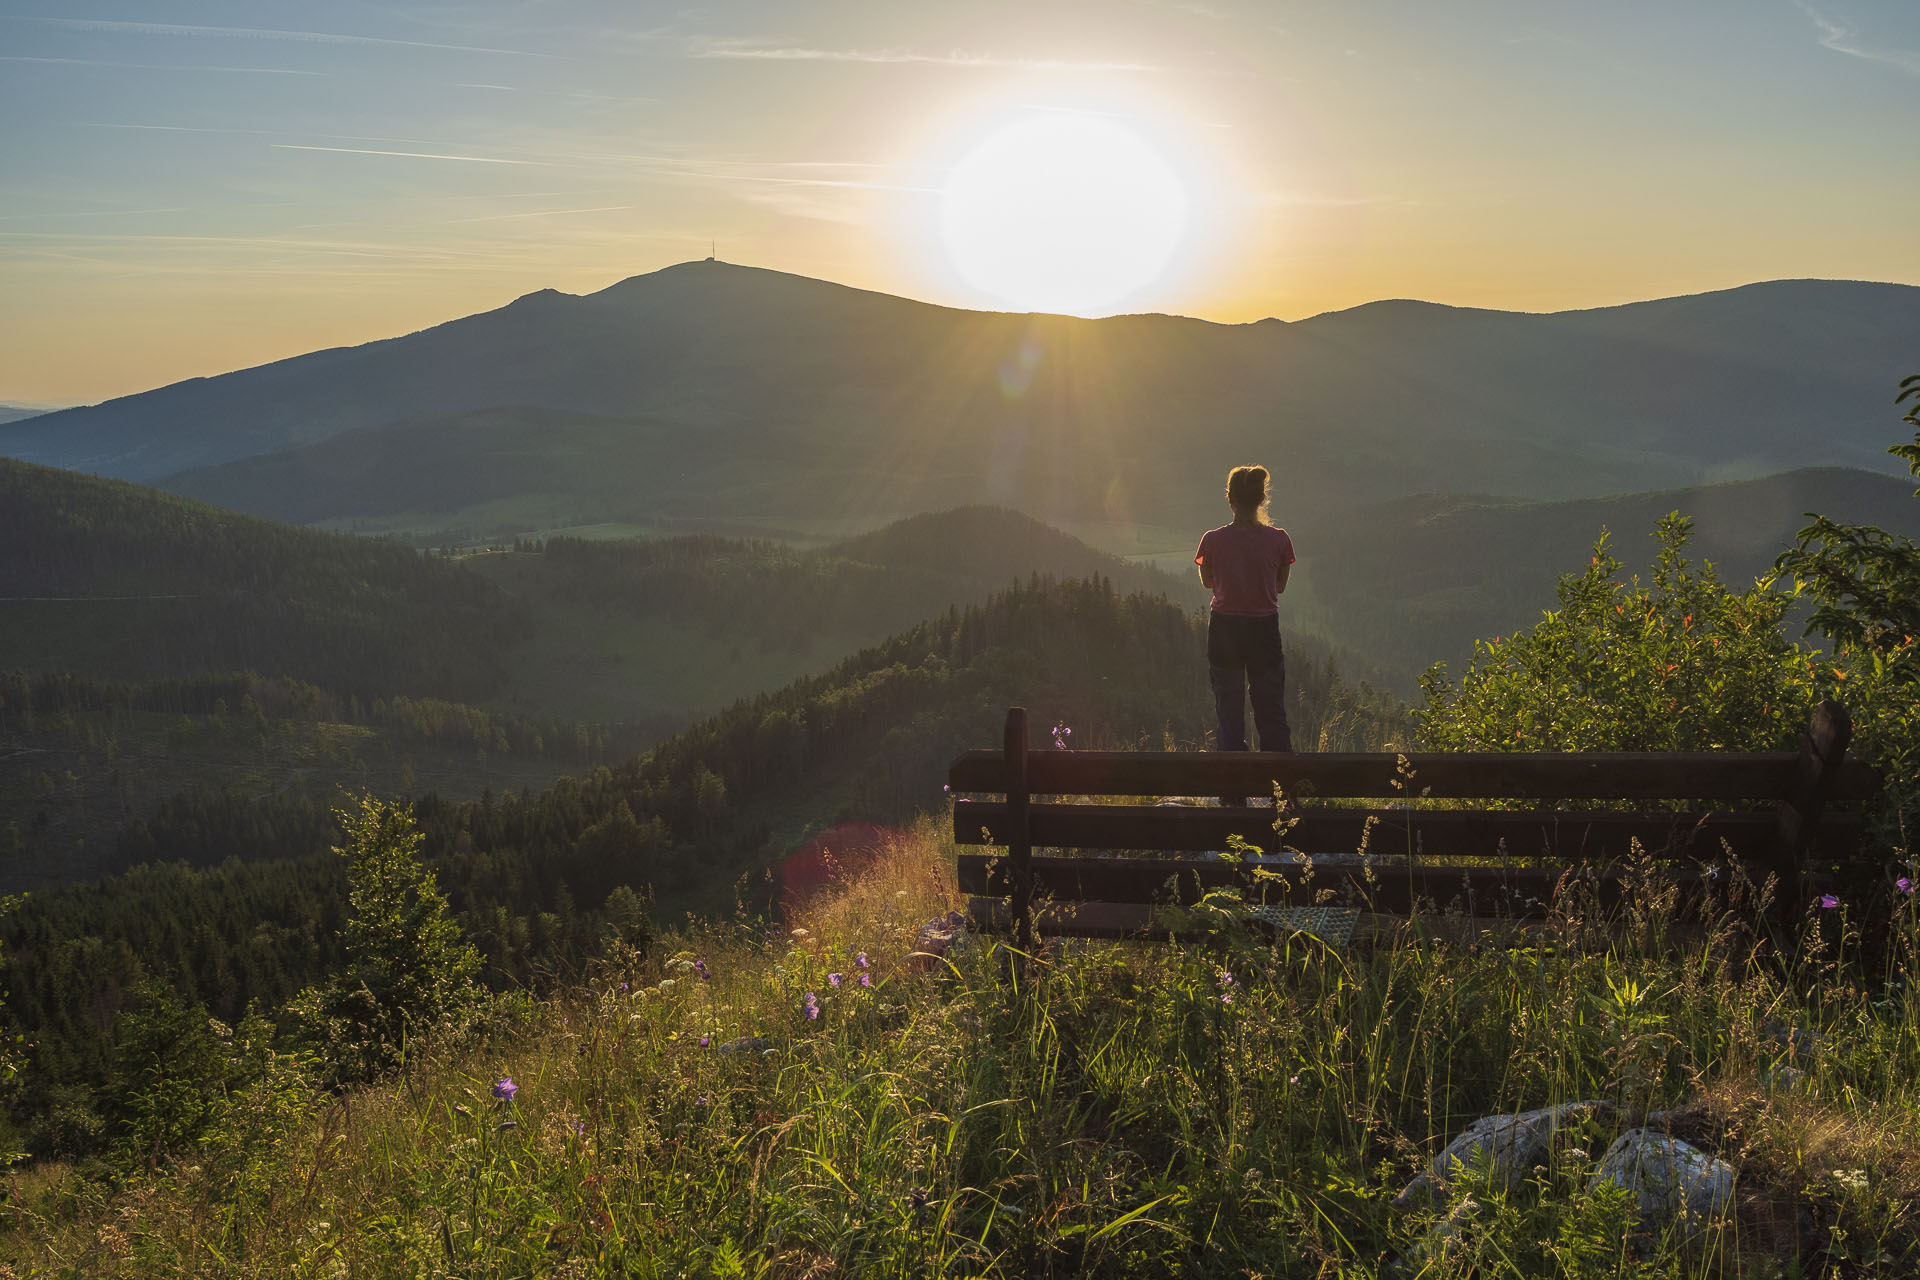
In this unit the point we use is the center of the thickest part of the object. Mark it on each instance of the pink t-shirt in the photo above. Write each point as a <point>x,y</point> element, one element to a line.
<point>1246,565</point>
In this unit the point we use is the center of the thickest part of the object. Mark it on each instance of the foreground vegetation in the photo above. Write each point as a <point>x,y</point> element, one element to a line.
<point>742,1104</point>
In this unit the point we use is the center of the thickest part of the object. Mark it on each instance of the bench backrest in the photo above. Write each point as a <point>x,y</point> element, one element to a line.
<point>1811,797</point>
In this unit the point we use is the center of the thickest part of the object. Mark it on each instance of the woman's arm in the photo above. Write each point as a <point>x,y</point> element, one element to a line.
<point>1206,575</point>
<point>1280,578</point>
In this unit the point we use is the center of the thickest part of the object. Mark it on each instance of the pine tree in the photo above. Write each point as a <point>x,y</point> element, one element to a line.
<point>409,970</point>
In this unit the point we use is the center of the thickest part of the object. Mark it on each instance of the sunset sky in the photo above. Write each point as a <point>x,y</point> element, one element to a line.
<point>191,187</point>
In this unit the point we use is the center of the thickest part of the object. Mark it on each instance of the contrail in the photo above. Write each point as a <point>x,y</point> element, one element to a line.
<point>417,155</point>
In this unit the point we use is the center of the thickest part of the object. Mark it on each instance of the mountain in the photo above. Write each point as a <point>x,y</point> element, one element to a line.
<point>1416,580</point>
<point>707,389</point>
<point>19,412</point>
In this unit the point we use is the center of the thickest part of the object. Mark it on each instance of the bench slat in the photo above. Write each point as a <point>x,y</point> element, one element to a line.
<point>1718,776</point>
<point>1428,833</point>
<point>1398,886</point>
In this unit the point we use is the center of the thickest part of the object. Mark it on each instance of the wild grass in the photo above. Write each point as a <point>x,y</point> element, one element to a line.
<point>1230,1109</point>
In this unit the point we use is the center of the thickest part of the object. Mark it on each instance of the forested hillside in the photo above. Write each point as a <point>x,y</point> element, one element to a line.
<point>537,878</point>
<point>115,581</point>
<point>663,630</point>
<point>81,759</point>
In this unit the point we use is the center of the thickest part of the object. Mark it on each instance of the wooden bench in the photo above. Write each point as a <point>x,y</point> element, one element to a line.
<point>1019,799</point>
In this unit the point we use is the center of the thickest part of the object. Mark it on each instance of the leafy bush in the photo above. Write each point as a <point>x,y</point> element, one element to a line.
<point>1684,663</point>
<point>1865,587</point>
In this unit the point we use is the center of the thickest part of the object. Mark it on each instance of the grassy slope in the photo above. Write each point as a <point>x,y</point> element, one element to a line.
<point>1118,1118</point>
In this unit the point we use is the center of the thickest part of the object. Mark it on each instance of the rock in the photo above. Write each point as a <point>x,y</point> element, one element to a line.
<point>1671,1180</point>
<point>1514,1144</point>
<point>1782,1077</point>
<point>940,935</point>
<point>745,1044</point>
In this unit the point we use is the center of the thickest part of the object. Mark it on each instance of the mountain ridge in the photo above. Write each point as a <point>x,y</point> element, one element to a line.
<point>1389,396</point>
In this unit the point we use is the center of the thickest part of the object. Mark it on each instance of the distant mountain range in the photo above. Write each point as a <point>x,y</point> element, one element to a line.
<point>709,389</point>
<point>19,412</point>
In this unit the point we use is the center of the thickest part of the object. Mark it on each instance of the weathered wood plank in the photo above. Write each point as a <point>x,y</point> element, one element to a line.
<point>1715,776</point>
<point>1426,833</point>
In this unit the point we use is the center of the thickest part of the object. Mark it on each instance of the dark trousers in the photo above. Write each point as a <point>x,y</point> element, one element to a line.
<point>1244,655</point>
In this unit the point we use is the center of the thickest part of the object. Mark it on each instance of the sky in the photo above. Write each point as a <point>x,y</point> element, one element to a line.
<point>189,187</point>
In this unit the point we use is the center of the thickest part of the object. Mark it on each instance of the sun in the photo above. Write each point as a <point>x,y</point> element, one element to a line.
<point>1069,212</point>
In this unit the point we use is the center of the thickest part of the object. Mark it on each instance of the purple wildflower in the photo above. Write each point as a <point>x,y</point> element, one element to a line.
<point>700,967</point>
<point>579,1128</point>
<point>813,1006</point>
<point>861,959</point>
<point>504,1088</point>
<point>1060,735</point>
<point>1829,901</point>
<point>1226,997</point>
<point>1904,885</point>
<point>625,987</point>
<point>833,979</point>
<point>705,1041</point>
<point>866,980</point>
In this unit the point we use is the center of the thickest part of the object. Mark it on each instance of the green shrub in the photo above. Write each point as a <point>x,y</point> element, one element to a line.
<point>1683,663</point>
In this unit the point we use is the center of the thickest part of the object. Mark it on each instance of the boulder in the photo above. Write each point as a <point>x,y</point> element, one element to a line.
<point>1513,1144</point>
<point>1671,1180</point>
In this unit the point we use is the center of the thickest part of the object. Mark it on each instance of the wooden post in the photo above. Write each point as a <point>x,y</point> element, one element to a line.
<point>1822,748</point>
<point>1019,840</point>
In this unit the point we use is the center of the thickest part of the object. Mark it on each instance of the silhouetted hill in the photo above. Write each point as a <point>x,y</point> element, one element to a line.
<point>18,413</point>
<point>111,580</point>
<point>1416,580</point>
<point>796,400</point>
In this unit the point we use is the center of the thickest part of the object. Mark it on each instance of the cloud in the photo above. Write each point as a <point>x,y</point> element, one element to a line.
<point>538,213</point>
<point>274,33</point>
<point>756,52</point>
<point>1841,36</point>
<point>416,155</point>
<point>160,66</point>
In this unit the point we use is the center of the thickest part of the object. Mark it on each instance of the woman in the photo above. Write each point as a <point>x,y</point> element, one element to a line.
<point>1246,564</point>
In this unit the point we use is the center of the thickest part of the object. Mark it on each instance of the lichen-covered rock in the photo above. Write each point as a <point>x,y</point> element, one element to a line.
<point>1513,1145</point>
<point>1671,1180</point>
